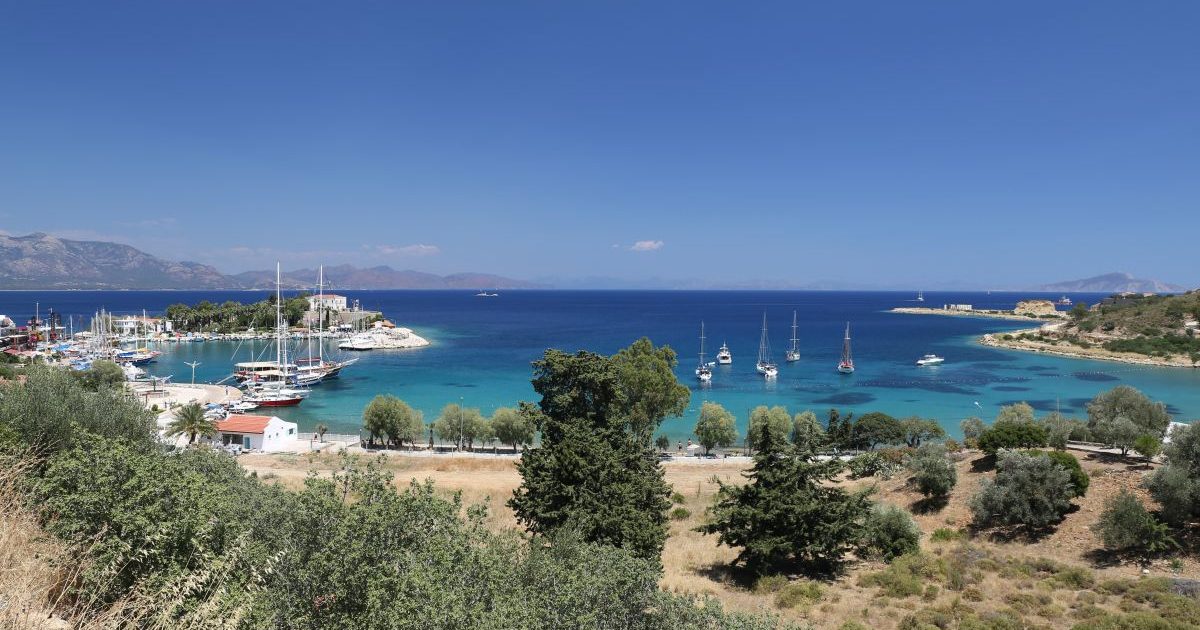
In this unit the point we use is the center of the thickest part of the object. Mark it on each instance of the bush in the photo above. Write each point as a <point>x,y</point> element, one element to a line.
<point>890,532</point>
<point>1147,446</point>
<point>906,576</point>
<point>945,534</point>
<point>1125,525</point>
<point>933,473</point>
<point>1176,486</point>
<point>1012,434</point>
<point>798,593</point>
<point>1079,479</point>
<point>871,464</point>
<point>680,513</point>
<point>1031,491</point>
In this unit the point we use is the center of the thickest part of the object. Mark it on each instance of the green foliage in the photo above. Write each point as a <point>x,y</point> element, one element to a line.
<point>457,423</point>
<point>776,419</point>
<point>1106,411</point>
<point>1030,491</point>
<point>807,432</point>
<point>1014,428</point>
<point>1060,429</point>
<point>662,442</point>
<point>595,473</point>
<point>972,428</point>
<point>1176,486</point>
<point>876,428</point>
<point>890,532</point>
<point>871,464</point>
<point>1079,479</point>
<point>786,516</point>
<point>917,430</point>
<point>189,420</point>
<point>103,373</point>
<point>389,416</point>
<point>52,410</point>
<point>515,427</point>
<point>231,316</point>
<point>945,534</point>
<point>933,473</point>
<point>906,576</point>
<point>680,513</point>
<point>1147,446</point>
<point>715,427</point>
<point>798,593</point>
<point>1126,525</point>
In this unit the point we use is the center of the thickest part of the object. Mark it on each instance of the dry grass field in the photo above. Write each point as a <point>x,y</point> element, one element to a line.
<point>1060,580</point>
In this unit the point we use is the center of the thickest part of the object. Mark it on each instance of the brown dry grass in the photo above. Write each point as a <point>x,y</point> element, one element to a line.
<point>29,578</point>
<point>694,563</point>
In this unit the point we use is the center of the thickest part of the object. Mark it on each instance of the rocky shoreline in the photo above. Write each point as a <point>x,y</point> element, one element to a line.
<point>996,340</point>
<point>992,314</point>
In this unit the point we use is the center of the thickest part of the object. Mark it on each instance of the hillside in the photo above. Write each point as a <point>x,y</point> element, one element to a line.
<point>41,261</point>
<point>1136,328</point>
<point>1115,282</point>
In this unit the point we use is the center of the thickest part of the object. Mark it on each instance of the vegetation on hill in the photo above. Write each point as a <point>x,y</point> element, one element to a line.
<point>231,316</point>
<point>1152,325</point>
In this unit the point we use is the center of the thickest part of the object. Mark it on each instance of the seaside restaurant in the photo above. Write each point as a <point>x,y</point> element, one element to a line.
<point>257,433</point>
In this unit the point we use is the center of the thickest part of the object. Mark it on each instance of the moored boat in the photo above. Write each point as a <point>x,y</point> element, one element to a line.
<point>846,365</point>
<point>765,365</point>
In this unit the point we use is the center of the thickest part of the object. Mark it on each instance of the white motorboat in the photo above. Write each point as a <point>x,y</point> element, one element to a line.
<point>724,356</point>
<point>359,342</point>
<point>930,359</point>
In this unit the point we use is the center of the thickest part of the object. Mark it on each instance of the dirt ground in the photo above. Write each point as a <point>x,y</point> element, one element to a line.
<point>694,563</point>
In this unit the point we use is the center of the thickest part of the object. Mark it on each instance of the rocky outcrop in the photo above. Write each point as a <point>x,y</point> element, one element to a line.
<point>1035,308</point>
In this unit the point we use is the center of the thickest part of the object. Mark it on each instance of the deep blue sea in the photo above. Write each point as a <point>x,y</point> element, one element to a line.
<point>482,349</point>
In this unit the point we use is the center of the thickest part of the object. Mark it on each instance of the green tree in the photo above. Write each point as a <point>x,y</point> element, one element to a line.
<point>786,516</point>
<point>1150,418</point>
<point>596,472</point>
<point>389,416</point>
<point>776,419</point>
<point>715,427</point>
<point>889,532</point>
<point>513,427</point>
<point>1126,525</point>
<point>807,432</point>
<point>457,423</point>
<point>917,430</point>
<point>971,429</point>
<point>1176,485</point>
<point>103,373</point>
<point>1118,431</point>
<point>1060,429</point>
<point>189,420</point>
<point>876,428</point>
<point>1147,446</point>
<point>1014,428</point>
<point>1079,478</point>
<point>1016,413</point>
<point>1029,491</point>
<point>933,472</point>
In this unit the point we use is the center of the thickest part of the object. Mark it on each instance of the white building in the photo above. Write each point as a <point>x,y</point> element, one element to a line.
<point>328,301</point>
<point>257,433</point>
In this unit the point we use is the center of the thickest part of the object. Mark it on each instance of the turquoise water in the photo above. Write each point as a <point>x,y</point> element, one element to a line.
<point>482,349</point>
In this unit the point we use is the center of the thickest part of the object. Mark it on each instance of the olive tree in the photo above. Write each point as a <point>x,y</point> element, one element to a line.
<point>715,427</point>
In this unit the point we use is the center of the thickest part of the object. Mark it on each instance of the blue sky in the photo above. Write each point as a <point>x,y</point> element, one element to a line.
<point>857,143</point>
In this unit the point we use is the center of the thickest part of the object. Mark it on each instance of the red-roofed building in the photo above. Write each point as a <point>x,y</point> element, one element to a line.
<point>257,433</point>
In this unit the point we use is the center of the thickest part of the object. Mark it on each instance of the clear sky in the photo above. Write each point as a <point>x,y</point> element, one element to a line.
<point>862,143</point>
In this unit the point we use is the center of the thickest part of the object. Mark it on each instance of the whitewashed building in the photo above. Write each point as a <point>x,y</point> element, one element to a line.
<point>328,301</point>
<point>257,433</point>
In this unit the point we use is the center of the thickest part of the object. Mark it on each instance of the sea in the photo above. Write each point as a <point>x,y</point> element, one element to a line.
<point>482,350</point>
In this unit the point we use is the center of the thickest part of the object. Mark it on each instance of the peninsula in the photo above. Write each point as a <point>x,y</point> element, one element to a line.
<point>1024,311</point>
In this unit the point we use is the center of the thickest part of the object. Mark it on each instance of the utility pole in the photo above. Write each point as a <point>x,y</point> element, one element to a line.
<point>460,423</point>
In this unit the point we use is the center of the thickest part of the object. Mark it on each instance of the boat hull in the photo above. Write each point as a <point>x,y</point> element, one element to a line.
<point>845,369</point>
<point>283,402</point>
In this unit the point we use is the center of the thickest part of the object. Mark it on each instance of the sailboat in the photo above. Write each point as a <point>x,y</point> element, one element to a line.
<point>920,296</point>
<point>703,371</point>
<point>312,369</point>
<point>765,365</point>
<point>270,384</point>
<point>793,353</point>
<point>846,365</point>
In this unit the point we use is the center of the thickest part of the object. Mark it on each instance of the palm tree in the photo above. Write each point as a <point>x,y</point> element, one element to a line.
<point>190,421</point>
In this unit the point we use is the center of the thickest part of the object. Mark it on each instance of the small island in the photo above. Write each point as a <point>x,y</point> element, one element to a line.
<point>1024,311</point>
<point>1140,328</point>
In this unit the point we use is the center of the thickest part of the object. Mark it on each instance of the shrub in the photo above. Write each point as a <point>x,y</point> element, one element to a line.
<point>798,593</point>
<point>1079,478</point>
<point>890,532</point>
<point>1031,491</point>
<point>870,465</point>
<point>1147,446</point>
<point>906,576</point>
<point>678,498</point>
<point>933,473</point>
<point>680,513</point>
<point>1012,434</point>
<point>1176,486</point>
<point>769,584</point>
<point>945,534</point>
<point>1125,525</point>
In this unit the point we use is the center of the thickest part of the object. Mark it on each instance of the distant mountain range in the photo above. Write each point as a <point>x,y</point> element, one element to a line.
<point>41,261</point>
<point>1115,282</point>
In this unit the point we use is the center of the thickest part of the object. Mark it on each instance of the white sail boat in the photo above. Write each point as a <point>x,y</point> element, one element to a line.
<point>846,365</point>
<point>312,369</point>
<point>765,365</point>
<point>920,296</point>
<point>793,353</point>
<point>703,371</point>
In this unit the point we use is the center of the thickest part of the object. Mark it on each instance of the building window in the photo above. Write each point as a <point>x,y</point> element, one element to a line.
<point>291,431</point>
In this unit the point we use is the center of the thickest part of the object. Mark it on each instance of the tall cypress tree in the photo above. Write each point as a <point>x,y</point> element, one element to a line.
<point>596,472</point>
<point>785,516</point>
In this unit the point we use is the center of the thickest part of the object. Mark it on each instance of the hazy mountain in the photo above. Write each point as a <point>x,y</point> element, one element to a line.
<point>381,277</point>
<point>40,261</point>
<point>1113,282</point>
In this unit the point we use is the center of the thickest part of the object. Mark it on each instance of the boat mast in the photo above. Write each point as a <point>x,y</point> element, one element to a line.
<point>320,315</point>
<point>846,346</point>
<point>280,350</point>
<point>702,344</point>
<point>794,340</point>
